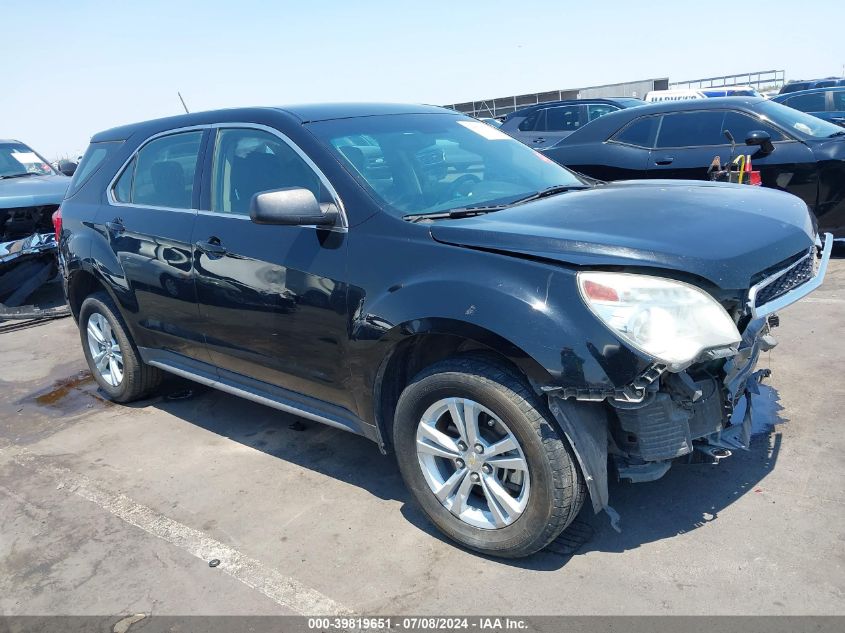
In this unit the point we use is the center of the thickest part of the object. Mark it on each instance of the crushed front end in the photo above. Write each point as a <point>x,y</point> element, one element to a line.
<point>675,408</point>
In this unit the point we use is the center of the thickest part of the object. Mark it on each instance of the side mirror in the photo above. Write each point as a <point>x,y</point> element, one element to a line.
<point>67,167</point>
<point>293,207</point>
<point>761,139</point>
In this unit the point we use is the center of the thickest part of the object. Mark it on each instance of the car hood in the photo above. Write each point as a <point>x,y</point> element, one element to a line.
<point>724,233</point>
<point>32,191</point>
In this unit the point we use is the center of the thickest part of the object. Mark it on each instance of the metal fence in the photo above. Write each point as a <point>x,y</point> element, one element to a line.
<point>500,106</point>
<point>759,79</point>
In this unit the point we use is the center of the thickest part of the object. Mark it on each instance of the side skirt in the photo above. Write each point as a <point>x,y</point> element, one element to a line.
<point>257,391</point>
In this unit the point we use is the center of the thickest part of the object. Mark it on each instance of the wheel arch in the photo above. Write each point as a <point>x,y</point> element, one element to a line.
<point>415,345</point>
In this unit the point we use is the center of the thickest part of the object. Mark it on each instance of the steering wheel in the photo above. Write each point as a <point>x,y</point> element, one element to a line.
<point>462,187</point>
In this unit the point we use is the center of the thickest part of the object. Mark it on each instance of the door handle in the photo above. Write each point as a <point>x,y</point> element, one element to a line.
<point>664,160</point>
<point>115,226</point>
<point>212,247</point>
<point>539,139</point>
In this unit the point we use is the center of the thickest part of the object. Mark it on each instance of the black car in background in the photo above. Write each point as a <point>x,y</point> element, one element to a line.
<point>794,151</point>
<point>545,124</point>
<point>825,103</point>
<point>418,277</point>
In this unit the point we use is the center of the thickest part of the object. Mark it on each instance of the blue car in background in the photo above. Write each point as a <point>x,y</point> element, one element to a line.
<point>809,84</point>
<point>825,103</point>
<point>30,190</point>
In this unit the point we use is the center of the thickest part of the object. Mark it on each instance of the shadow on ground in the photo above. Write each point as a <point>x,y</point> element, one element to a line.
<point>690,495</point>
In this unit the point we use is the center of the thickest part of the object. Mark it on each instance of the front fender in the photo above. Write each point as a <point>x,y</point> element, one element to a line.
<point>530,312</point>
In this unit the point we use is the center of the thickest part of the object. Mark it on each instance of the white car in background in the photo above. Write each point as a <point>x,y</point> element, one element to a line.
<point>656,96</point>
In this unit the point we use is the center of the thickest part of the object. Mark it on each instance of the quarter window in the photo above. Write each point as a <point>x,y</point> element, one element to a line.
<point>123,187</point>
<point>162,173</point>
<point>247,162</point>
<point>640,132</point>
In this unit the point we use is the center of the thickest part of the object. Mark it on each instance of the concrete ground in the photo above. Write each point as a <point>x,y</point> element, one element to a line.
<point>108,509</point>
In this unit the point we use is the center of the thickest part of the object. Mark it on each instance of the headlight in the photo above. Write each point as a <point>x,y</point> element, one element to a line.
<point>670,320</point>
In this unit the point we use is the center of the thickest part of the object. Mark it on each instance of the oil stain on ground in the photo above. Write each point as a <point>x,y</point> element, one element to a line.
<point>69,395</point>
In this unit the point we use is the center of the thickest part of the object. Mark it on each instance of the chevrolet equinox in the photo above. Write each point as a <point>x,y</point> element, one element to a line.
<point>512,331</point>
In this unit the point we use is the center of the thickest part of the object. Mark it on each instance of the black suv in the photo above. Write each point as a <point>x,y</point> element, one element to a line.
<point>420,278</point>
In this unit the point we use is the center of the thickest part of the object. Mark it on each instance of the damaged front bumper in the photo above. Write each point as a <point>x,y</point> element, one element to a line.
<point>674,414</point>
<point>25,265</point>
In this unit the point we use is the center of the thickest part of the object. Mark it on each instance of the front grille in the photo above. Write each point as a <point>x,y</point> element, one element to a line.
<point>798,274</point>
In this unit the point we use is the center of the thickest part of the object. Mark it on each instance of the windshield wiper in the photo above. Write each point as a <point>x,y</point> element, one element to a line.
<point>27,173</point>
<point>839,133</point>
<point>460,212</point>
<point>549,191</point>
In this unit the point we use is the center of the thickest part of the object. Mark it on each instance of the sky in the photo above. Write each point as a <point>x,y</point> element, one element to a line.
<point>73,68</point>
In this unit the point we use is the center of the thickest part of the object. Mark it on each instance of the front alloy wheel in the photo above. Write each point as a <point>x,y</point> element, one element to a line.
<point>481,455</point>
<point>473,463</point>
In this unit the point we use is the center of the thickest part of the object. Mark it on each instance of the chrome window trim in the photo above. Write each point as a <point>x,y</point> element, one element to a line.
<point>113,183</point>
<point>796,293</point>
<point>344,224</point>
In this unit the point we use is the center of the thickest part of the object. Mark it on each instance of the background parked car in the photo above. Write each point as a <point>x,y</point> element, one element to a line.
<point>825,103</point>
<point>794,151</point>
<point>656,96</point>
<point>545,124</point>
<point>827,82</point>
<point>30,190</point>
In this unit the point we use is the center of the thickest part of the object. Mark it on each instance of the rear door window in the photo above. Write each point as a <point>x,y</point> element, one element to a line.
<point>600,109</point>
<point>530,122</point>
<point>691,129</point>
<point>562,119</point>
<point>164,171</point>
<point>813,102</point>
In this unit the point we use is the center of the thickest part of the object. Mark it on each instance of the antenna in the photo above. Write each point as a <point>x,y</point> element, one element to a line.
<point>183,102</point>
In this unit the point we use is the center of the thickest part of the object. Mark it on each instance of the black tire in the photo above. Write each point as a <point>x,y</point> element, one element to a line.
<point>557,488</point>
<point>139,379</point>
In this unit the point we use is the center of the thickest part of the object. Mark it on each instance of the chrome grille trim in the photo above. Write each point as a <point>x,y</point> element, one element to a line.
<point>796,292</point>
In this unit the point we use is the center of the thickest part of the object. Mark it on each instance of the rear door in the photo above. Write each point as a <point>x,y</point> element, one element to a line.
<point>556,123</point>
<point>272,298</point>
<point>837,107</point>
<point>147,224</point>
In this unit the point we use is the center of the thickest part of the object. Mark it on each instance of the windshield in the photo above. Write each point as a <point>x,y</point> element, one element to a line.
<point>17,159</point>
<point>796,121</point>
<point>429,163</point>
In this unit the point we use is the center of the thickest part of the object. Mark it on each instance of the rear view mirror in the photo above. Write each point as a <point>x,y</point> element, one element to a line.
<point>761,139</point>
<point>67,167</point>
<point>294,206</point>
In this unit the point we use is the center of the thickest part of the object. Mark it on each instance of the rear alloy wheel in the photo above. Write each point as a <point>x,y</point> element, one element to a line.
<point>112,357</point>
<point>478,450</point>
<point>105,351</point>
